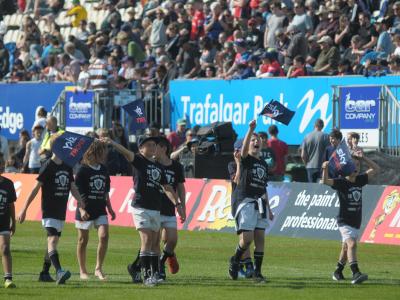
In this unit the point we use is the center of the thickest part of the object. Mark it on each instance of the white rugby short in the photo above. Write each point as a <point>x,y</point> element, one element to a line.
<point>146,218</point>
<point>168,222</point>
<point>86,225</point>
<point>348,232</point>
<point>53,223</point>
<point>248,218</point>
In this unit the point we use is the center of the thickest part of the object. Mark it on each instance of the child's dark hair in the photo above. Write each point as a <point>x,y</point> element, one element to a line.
<point>355,135</point>
<point>336,133</point>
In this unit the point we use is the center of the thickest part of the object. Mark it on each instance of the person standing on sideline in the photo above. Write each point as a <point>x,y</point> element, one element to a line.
<point>93,183</point>
<point>56,182</point>
<point>266,152</point>
<point>313,149</point>
<point>349,191</point>
<point>281,151</point>
<point>4,146</point>
<point>7,223</point>
<point>150,184</point>
<point>51,129</point>
<point>177,138</point>
<point>250,204</point>
<point>32,158</point>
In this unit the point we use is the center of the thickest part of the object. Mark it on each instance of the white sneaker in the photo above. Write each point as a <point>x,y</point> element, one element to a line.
<point>150,282</point>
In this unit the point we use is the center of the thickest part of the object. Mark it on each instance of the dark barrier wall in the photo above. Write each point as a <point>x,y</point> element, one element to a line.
<point>18,103</point>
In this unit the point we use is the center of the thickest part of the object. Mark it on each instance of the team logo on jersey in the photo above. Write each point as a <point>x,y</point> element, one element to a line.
<point>356,195</point>
<point>98,184</point>
<point>155,174</point>
<point>62,180</point>
<point>260,173</point>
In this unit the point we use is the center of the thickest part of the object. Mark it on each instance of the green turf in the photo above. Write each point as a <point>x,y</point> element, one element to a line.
<point>296,269</point>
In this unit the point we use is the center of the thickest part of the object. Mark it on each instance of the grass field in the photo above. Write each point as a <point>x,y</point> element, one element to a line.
<point>296,269</point>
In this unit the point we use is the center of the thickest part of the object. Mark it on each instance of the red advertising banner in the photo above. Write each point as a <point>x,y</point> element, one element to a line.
<point>384,224</point>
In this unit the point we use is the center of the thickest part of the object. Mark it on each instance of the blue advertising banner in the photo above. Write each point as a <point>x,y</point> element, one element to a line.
<point>79,111</point>
<point>359,107</point>
<point>239,101</point>
<point>19,101</point>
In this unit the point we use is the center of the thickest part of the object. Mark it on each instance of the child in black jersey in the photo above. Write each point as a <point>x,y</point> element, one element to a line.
<point>169,233</point>
<point>93,182</point>
<point>150,184</point>
<point>7,223</point>
<point>250,204</point>
<point>349,191</point>
<point>56,182</point>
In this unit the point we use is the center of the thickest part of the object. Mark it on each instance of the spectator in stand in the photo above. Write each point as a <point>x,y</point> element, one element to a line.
<point>198,19</point>
<point>321,28</point>
<point>214,23</point>
<point>301,19</point>
<point>384,43</point>
<point>297,45</point>
<point>313,51</point>
<point>394,65</point>
<point>277,20</point>
<point>4,146</point>
<point>32,157</point>
<point>4,60</point>
<point>333,18</point>
<point>345,68</point>
<point>328,58</point>
<point>270,66</point>
<point>78,12</point>
<point>127,68</point>
<point>280,150</point>
<point>98,71</point>
<point>298,68</point>
<point>83,33</point>
<point>177,138</point>
<point>84,76</point>
<point>158,35</point>
<point>354,53</point>
<point>367,32</point>
<point>255,38</point>
<point>242,56</point>
<point>190,140</point>
<point>172,46</point>
<point>313,150</point>
<point>395,18</point>
<point>113,15</point>
<point>188,59</point>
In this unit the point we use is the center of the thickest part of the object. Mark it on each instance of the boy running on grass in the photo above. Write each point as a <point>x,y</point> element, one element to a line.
<point>7,223</point>
<point>56,181</point>
<point>349,191</point>
<point>250,204</point>
<point>93,183</point>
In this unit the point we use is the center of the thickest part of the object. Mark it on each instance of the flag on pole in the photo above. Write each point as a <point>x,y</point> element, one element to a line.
<point>70,147</point>
<point>340,162</point>
<point>277,111</point>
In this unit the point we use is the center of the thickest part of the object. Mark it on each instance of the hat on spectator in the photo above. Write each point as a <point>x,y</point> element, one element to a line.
<point>130,11</point>
<point>192,141</point>
<point>313,38</point>
<point>76,2</point>
<point>268,55</point>
<point>321,10</point>
<point>251,22</point>
<point>333,8</point>
<point>122,35</point>
<point>109,2</point>
<point>181,121</point>
<point>279,32</point>
<point>325,39</point>
<point>127,58</point>
<point>145,138</point>
<point>150,58</point>
<point>240,43</point>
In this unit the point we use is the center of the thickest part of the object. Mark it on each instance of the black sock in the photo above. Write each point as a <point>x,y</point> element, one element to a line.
<point>136,262</point>
<point>154,263</point>
<point>354,267</point>
<point>248,263</point>
<point>164,256</point>
<point>55,260</point>
<point>340,266</point>
<point>239,252</point>
<point>46,263</point>
<point>258,259</point>
<point>7,276</point>
<point>145,264</point>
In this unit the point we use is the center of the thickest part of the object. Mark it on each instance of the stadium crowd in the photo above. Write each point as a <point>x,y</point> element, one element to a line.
<point>164,40</point>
